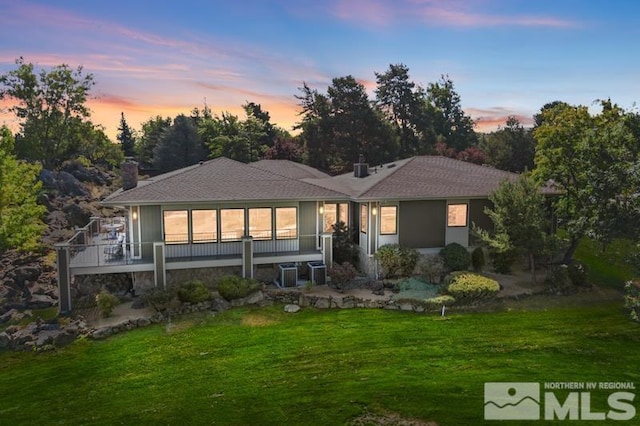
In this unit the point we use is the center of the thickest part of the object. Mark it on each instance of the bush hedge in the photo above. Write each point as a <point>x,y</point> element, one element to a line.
<point>456,257</point>
<point>342,273</point>
<point>632,299</point>
<point>106,302</point>
<point>193,292</point>
<point>397,261</point>
<point>159,299</point>
<point>469,287</point>
<point>477,259</point>
<point>233,287</point>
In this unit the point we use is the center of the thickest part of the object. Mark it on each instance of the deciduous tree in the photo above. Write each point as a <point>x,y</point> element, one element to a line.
<point>51,106</point>
<point>520,220</point>
<point>594,161</point>
<point>20,214</point>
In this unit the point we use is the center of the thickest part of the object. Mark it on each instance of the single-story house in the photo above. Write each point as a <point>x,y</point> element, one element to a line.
<point>223,213</point>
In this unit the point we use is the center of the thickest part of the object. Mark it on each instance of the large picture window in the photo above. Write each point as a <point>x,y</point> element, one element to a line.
<point>204,226</point>
<point>388,220</point>
<point>364,218</point>
<point>286,223</point>
<point>260,223</point>
<point>457,215</point>
<point>231,224</point>
<point>176,226</point>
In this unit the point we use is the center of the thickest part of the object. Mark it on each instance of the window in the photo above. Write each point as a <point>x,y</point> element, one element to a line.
<point>343,213</point>
<point>388,220</point>
<point>176,226</point>
<point>204,226</point>
<point>364,218</point>
<point>260,223</point>
<point>286,222</point>
<point>334,213</point>
<point>330,216</point>
<point>231,224</point>
<point>457,215</point>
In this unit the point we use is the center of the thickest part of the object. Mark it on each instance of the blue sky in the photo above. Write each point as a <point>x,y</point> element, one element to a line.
<point>505,57</point>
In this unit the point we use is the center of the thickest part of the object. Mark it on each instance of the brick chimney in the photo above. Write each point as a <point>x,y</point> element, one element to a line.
<point>129,174</point>
<point>361,169</point>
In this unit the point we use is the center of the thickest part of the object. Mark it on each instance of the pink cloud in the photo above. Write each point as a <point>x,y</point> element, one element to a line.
<point>452,13</point>
<point>490,119</point>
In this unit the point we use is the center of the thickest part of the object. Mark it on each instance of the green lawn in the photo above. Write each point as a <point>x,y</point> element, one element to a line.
<point>261,366</point>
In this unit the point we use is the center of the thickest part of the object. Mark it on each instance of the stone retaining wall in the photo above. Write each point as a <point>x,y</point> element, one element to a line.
<point>47,336</point>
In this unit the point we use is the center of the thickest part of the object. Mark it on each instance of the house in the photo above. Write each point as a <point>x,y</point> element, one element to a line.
<point>253,217</point>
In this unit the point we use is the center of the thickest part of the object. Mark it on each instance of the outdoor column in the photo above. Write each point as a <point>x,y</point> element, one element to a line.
<point>64,279</point>
<point>159,267</point>
<point>327,249</point>
<point>247,257</point>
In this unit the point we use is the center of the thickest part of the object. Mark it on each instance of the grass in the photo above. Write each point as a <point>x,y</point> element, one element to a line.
<point>262,366</point>
<point>606,267</point>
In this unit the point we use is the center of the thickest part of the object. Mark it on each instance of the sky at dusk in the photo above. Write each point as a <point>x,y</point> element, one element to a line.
<point>505,57</point>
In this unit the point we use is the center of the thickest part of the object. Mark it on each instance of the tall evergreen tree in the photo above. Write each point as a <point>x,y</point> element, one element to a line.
<point>404,106</point>
<point>126,137</point>
<point>179,146</point>
<point>451,124</point>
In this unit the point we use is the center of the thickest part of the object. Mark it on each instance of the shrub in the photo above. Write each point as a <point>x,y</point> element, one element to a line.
<point>106,302</point>
<point>477,259</point>
<point>193,292</point>
<point>436,303</point>
<point>233,287</point>
<point>342,273</point>
<point>431,267</point>
<point>344,250</point>
<point>396,260</point>
<point>158,298</point>
<point>456,257</point>
<point>558,277</point>
<point>502,261</point>
<point>578,274</point>
<point>632,299</point>
<point>469,287</point>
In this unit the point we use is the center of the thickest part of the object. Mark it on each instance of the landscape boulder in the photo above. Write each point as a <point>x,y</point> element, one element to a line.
<point>291,309</point>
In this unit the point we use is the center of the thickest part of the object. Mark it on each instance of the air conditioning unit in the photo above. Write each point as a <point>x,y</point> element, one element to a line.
<point>288,275</point>
<point>317,272</point>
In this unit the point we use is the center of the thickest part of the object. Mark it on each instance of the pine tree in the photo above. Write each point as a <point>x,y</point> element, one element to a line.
<point>126,137</point>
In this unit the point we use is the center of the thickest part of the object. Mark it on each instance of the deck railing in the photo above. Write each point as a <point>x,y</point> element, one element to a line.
<point>102,251</point>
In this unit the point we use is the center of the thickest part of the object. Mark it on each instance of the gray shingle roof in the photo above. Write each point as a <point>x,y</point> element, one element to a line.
<point>221,179</point>
<point>289,169</point>
<point>420,178</point>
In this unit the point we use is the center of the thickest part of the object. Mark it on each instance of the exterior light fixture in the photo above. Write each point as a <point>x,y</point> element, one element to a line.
<point>134,215</point>
<point>374,211</point>
<point>321,209</point>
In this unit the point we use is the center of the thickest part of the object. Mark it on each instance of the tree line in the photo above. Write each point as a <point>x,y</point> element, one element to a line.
<point>592,159</point>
